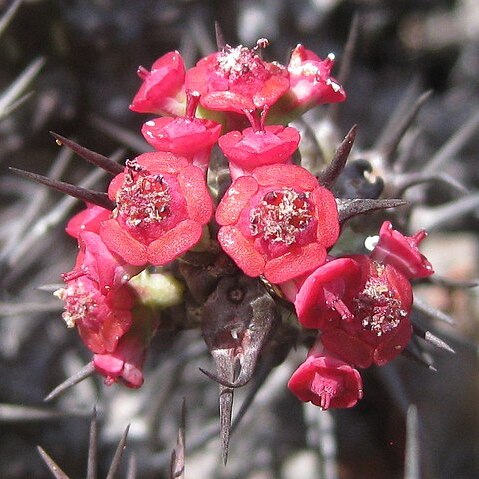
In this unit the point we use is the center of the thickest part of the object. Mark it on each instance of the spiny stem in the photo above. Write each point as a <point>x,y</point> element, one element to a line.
<point>84,373</point>
<point>349,208</point>
<point>52,465</point>
<point>101,161</point>
<point>334,169</point>
<point>115,463</point>
<point>89,196</point>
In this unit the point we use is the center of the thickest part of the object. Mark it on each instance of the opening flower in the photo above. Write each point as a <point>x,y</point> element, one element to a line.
<point>237,79</point>
<point>162,204</point>
<point>101,318</point>
<point>278,222</point>
<point>311,84</point>
<point>402,252</point>
<point>372,314</point>
<point>326,381</point>
<point>162,91</point>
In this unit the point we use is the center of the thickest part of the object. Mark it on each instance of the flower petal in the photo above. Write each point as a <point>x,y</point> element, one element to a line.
<point>235,200</point>
<point>174,242</point>
<point>198,200</point>
<point>241,251</point>
<point>281,175</point>
<point>121,243</point>
<point>294,263</point>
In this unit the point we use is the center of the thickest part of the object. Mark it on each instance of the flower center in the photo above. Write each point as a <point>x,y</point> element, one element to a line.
<point>377,305</point>
<point>325,388</point>
<point>281,216</point>
<point>79,303</point>
<point>235,63</point>
<point>144,199</point>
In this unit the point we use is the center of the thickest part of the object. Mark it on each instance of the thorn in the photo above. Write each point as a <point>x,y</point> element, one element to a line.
<point>226,410</point>
<point>115,463</point>
<point>225,365</point>
<point>92,447</point>
<point>432,338</point>
<point>90,196</point>
<point>132,468</point>
<point>418,358</point>
<point>6,18</point>
<point>453,283</point>
<point>453,145</point>
<point>388,147</point>
<point>16,413</point>
<point>349,208</point>
<point>177,463</point>
<point>52,465</point>
<point>329,175</point>
<point>220,39</point>
<point>101,161</point>
<point>349,50</point>
<point>438,342</point>
<point>407,180</point>
<point>433,313</point>
<point>405,154</point>
<point>412,462</point>
<point>172,465</point>
<point>346,62</point>
<point>10,98</point>
<point>433,217</point>
<point>84,373</point>
<point>49,288</point>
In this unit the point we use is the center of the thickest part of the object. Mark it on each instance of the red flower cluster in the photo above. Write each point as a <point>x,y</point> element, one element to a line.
<point>275,220</point>
<point>98,299</point>
<point>361,304</point>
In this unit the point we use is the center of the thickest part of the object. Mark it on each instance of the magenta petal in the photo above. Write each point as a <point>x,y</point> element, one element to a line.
<point>402,252</point>
<point>339,277</point>
<point>327,382</point>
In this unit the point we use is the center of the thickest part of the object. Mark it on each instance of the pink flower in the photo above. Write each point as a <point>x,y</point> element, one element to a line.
<point>311,84</point>
<point>186,136</point>
<point>326,381</point>
<point>278,222</point>
<point>101,265</point>
<point>237,79</point>
<point>97,299</point>
<point>87,220</point>
<point>162,91</point>
<point>364,316</point>
<point>324,296</point>
<point>402,252</point>
<point>258,146</point>
<point>162,205</point>
<point>125,363</point>
<point>100,317</point>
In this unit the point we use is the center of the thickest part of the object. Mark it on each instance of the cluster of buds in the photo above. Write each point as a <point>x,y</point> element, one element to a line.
<point>257,243</point>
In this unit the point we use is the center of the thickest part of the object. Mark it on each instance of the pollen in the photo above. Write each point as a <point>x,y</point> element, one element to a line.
<point>234,63</point>
<point>79,304</point>
<point>377,306</point>
<point>281,216</point>
<point>143,200</point>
